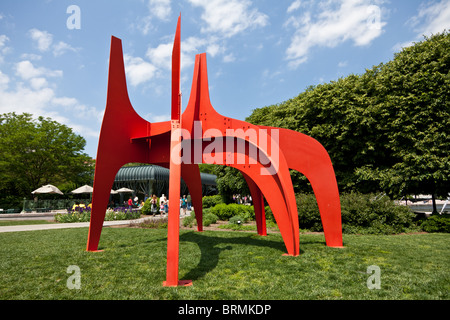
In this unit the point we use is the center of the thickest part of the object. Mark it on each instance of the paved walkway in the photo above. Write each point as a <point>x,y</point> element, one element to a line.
<point>34,227</point>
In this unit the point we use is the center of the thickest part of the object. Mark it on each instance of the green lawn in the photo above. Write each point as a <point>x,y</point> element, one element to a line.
<point>23,222</point>
<point>223,265</point>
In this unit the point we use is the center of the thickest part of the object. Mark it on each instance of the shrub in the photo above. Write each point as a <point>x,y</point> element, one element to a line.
<point>147,207</point>
<point>436,223</point>
<point>208,219</point>
<point>226,211</point>
<point>211,201</point>
<point>237,220</point>
<point>189,222</point>
<point>361,213</point>
<point>269,214</point>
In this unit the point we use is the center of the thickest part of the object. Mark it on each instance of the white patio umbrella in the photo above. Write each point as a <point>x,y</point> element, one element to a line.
<point>124,190</point>
<point>47,189</point>
<point>83,189</point>
<point>113,191</point>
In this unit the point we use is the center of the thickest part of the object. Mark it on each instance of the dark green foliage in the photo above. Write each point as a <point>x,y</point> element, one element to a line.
<point>230,181</point>
<point>208,219</point>
<point>211,201</point>
<point>226,211</point>
<point>237,220</point>
<point>385,130</point>
<point>374,215</point>
<point>361,213</point>
<point>188,221</point>
<point>437,223</point>
<point>35,152</point>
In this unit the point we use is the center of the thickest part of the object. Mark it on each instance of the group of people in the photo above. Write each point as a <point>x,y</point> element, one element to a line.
<point>246,199</point>
<point>185,204</point>
<point>134,203</point>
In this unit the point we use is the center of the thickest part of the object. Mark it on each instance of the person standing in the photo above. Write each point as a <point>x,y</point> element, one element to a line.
<point>183,204</point>
<point>189,202</point>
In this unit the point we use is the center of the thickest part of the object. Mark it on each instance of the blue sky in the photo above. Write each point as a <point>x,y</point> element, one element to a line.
<point>54,61</point>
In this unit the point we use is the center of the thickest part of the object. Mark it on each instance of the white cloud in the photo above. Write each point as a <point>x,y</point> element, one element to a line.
<point>24,99</point>
<point>229,17</point>
<point>43,40</point>
<point>31,56</point>
<point>433,17</point>
<point>161,56</point>
<point>26,71</point>
<point>3,40</point>
<point>137,70</point>
<point>294,6</point>
<point>38,83</point>
<point>229,58</point>
<point>32,88</point>
<point>40,100</point>
<point>65,101</point>
<point>335,23</point>
<point>3,48</point>
<point>4,80</point>
<point>61,47</point>
<point>160,9</point>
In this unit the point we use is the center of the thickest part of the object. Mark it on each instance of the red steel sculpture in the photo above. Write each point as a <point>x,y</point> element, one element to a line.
<point>262,154</point>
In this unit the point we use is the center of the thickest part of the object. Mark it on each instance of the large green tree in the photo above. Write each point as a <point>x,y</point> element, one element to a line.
<point>34,152</point>
<point>385,130</point>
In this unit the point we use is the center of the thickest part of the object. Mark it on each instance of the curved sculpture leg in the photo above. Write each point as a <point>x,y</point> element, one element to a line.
<point>258,205</point>
<point>192,178</point>
<point>120,123</point>
<point>275,195</point>
<point>279,193</point>
<point>309,157</point>
<point>104,179</point>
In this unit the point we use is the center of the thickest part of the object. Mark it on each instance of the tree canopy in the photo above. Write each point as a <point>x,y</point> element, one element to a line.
<point>35,152</point>
<point>385,130</point>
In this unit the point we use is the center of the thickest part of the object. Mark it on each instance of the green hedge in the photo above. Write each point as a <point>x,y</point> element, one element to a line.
<point>436,223</point>
<point>361,213</point>
<point>211,201</point>
<point>208,219</point>
<point>226,211</point>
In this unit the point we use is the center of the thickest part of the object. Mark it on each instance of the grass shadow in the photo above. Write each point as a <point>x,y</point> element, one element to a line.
<point>211,246</point>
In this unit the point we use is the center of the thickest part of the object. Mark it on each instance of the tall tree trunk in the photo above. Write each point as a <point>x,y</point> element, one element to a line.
<point>433,198</point>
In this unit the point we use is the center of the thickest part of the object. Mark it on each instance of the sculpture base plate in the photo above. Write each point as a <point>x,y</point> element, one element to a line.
<point>181,283</point>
